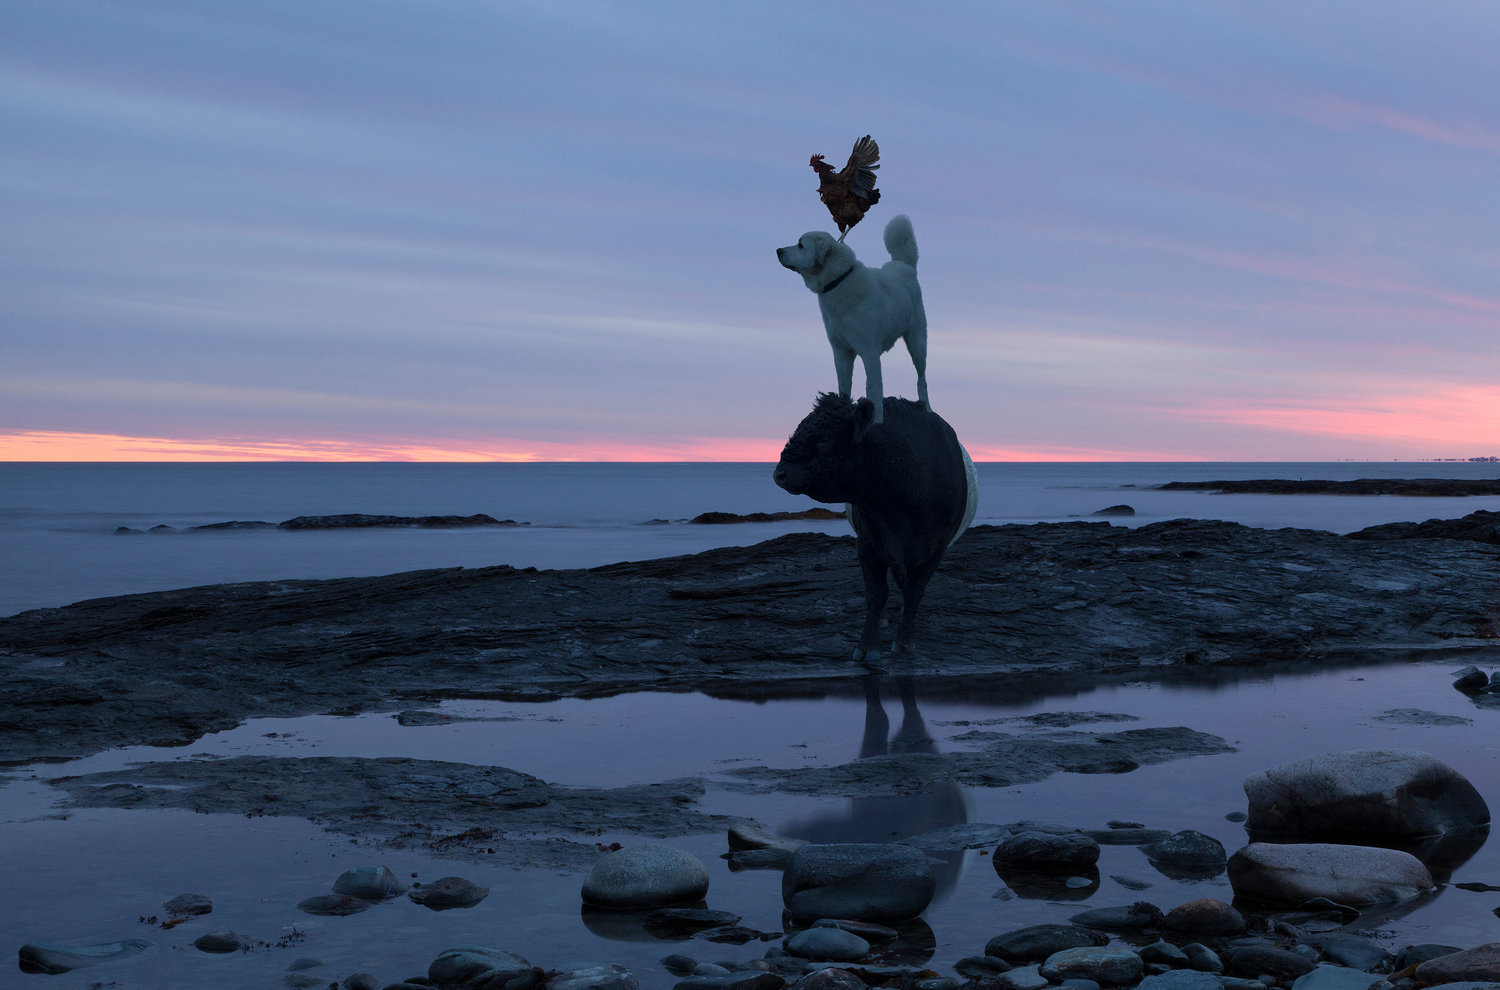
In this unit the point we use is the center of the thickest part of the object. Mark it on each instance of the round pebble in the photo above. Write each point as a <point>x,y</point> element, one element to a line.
<point>651,874</point>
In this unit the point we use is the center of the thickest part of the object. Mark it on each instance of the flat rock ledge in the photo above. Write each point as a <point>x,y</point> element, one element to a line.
<point>1047,603</point>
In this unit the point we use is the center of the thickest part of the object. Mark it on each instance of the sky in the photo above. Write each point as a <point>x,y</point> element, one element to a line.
<point>505,230</point>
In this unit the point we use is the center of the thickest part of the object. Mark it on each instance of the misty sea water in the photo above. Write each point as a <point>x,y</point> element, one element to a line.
<point>59,544</point>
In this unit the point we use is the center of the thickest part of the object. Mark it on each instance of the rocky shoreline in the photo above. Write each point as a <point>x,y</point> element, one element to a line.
<point>1035,603</point>
<point>1014,610</point>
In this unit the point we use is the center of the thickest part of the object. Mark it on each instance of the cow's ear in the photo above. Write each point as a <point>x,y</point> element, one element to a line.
<point>864,418</point>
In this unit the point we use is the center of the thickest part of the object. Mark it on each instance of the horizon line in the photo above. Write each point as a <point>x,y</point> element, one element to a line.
<point>57,446</point>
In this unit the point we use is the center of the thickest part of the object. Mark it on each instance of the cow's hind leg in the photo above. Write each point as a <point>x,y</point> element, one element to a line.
<point>877,593</point>
<point>913,586</point>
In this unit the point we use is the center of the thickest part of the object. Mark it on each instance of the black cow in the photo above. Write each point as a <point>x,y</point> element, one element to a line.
<point>910,489</point>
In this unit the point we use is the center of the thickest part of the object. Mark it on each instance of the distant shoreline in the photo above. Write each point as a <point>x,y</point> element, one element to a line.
<point>1429,487</point>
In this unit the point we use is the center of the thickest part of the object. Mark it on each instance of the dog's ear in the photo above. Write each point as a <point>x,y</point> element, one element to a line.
<point>822,246</point>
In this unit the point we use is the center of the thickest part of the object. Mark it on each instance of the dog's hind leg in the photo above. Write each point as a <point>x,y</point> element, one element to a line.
<point>916,346</point>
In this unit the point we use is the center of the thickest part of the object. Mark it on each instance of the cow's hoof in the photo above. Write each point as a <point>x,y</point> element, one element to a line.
<point>903,649</point>
<point>862,655</point>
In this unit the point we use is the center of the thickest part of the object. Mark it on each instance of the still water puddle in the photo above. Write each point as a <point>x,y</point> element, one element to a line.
<point>87,876</point>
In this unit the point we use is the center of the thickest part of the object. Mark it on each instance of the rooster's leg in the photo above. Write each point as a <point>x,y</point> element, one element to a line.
<point>842,232</point>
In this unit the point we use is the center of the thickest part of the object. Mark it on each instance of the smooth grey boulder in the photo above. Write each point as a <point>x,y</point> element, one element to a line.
<point>880,882</point>
<point>1389,793</point>
<point>1187,855</point>
<point>475,966</point>
<point>1105,965</point>
<point>1336,978</point>
<point>1360,876</point>
<point>1352,951</point>
<point>829,944</point>
<point>1021,978</point>
<point>370,883</point>
<point>221,942</point>
<point>651,874</point>
<point>1481,963</point>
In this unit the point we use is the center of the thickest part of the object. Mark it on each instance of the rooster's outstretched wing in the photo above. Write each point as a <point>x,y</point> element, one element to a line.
<point>859,175</point>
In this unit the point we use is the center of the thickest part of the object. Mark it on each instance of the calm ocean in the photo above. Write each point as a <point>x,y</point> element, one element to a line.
<point>58,521</point>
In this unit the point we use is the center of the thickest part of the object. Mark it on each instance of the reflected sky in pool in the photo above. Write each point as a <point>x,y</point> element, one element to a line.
<point>87,875</point>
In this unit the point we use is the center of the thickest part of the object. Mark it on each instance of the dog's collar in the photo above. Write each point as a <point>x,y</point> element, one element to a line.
<point>835,283</point>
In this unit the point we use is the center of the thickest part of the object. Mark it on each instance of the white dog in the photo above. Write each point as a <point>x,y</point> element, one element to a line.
<point>865,310</point>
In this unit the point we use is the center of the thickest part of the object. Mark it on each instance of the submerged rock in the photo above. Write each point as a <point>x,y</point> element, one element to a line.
<point>1037,942</point>
<point>188,905</point>
<point>334,905</point>
<point>826,943</point>
<point>1182,979</point>
<point>611,976</point>
<point>480,967</point>
<point>58,957</point>
<point>449,892</point>
<point>1125,918</point>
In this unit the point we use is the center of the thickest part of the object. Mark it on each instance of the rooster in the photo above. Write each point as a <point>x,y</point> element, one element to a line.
<point>850,193</point>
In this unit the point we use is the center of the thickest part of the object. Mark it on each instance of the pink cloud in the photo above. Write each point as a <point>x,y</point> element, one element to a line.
<point>1442,419</point>
<point>1337,112</point>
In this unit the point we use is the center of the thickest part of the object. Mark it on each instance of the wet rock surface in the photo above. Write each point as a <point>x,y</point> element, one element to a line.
<point>1044,601</point>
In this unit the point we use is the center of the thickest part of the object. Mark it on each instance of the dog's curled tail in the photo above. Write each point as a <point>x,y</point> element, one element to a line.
<point>901,240</point>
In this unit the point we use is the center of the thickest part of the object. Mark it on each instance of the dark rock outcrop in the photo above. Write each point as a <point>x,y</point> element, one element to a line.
<point>726,518</point>
<point>1038,604</point>
<point>1428,487</point>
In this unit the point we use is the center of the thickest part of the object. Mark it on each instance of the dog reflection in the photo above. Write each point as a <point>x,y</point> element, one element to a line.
<point>891,818</point>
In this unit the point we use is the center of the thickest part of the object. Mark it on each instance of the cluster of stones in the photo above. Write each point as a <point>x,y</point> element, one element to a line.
<point>854,909</point>
<point>1482,688</point>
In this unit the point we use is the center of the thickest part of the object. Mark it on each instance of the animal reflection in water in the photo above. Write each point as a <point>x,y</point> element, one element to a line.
<point>891,818</point>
